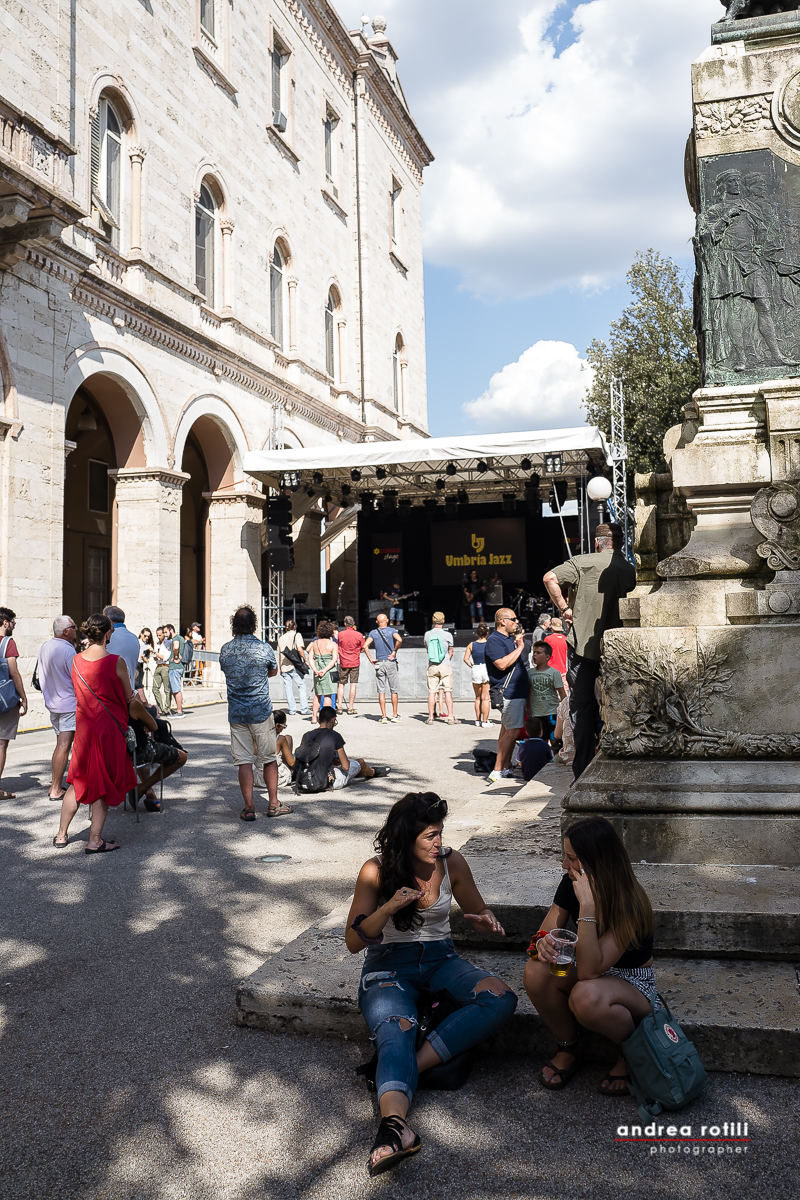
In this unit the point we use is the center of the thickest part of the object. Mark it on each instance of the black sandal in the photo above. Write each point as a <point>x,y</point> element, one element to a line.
<point>247,814</point>
<point>390,1133</point>
<point>150,804</point>
<point>564,1073</point>
<point>614,1091</point>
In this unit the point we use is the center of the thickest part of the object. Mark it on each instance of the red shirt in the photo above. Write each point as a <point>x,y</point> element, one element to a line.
<point>351,643</point>
<point>11,648</point>
<point>558,658</point>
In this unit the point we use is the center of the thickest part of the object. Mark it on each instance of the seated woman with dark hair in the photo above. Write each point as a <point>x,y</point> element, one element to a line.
<point>400,912</point>
<point>610,986</point>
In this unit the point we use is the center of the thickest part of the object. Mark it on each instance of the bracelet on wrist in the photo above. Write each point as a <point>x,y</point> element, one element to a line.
<point>592,919</point>
<point>532,952</point>
<point>356,925</point>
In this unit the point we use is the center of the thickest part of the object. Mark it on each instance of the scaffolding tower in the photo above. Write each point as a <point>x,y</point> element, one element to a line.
<point>619,463</point>
<point>272,616</point>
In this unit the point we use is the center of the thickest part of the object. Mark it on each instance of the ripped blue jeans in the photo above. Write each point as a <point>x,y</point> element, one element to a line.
<point>391,980</point>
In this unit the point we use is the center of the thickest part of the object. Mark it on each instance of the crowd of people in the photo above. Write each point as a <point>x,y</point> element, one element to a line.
<point>426,1007</point>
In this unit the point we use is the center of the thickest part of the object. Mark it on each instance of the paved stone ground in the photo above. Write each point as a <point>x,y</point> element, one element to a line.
<point>124,1075</point>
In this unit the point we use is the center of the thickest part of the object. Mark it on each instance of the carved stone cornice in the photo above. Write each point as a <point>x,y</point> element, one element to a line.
<point>35,163</point>
<point>170,479</point>
<point>254,500</point>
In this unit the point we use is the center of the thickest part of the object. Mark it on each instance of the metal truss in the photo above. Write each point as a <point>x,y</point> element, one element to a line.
<point>619,460</point>
<point>272,606</point>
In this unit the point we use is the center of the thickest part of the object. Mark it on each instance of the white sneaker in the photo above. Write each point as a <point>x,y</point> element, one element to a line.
<point>493,777</point>
<point>478,724</point>
<point>485,724</point>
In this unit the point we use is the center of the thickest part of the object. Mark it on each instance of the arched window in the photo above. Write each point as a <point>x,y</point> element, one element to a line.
<point>106,167</point>
<point>330,335</point>
<point>397,374</point>
<point>276,296</point>
<point>205,222</point>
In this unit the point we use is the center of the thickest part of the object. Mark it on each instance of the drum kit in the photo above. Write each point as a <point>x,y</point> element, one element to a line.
<point>527,607</point>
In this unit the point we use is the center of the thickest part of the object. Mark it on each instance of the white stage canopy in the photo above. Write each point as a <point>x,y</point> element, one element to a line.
<point>483,465</point>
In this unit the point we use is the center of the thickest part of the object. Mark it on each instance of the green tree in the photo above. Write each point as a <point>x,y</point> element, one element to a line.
<point>652,348</point>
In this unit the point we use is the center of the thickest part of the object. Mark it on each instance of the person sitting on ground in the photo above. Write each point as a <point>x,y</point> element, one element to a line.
<point>562,735</point>
<point>284,749</point>
<point>610,986</point>
<point>323,762</point>
<point>400,913</point>
<point>534,752</point>
<point>547,688</point>
<point>475,659</point>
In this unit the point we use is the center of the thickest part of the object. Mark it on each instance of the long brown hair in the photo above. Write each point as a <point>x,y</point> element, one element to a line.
<point>623,906</point>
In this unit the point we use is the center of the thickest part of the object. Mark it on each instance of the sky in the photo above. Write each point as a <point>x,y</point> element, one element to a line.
<point>558,130</point>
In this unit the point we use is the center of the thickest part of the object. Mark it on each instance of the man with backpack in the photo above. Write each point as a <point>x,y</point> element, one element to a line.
<point>321,760</point>
<point>439,644</point>
<point>176,666</point>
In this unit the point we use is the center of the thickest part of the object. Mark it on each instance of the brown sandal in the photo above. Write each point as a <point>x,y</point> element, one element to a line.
<point>564,1073</point>
<point>614,1091</point>
<point>279,811</point>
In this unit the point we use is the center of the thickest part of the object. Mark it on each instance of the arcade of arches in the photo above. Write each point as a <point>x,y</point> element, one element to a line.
<point>177,545</point>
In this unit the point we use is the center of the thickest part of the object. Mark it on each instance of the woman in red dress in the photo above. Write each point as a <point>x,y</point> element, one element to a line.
<point>101,772</point>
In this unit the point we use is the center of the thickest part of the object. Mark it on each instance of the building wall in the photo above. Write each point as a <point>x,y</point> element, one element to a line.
<point>166,368</point>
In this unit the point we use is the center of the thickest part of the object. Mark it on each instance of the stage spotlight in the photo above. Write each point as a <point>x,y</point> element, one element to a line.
<point>380,472</point>
<point>525,464</point>
<point>481,466</point>
<point>509,502</point>
<point>317,478</point>
<point>355,475</point>
<point>346,489</point>
<point>450,469</point>
<point>440,485</point>
<point>462,497</point>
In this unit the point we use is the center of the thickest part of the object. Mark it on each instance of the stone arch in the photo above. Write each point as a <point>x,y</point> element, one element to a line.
<point>209,173</point>
<point>137,426</point>
<point>221,434</point>
<point>114,85</point>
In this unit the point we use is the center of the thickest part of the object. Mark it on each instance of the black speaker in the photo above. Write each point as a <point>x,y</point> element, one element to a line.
<point>281,558</point>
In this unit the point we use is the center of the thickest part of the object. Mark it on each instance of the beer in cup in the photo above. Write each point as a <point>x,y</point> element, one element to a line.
<point>565,942</point>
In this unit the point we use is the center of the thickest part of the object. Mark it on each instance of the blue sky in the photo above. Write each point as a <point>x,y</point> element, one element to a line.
<point>559,130</point>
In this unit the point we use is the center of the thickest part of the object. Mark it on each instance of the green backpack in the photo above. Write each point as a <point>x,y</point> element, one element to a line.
<point>437,649</point>
<point>664,1066</point>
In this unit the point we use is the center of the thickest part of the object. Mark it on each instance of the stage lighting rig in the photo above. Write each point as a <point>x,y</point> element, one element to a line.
<point>462,497</point>
<point>380,472</point>
<point>355,475</point>
<point>450,469</point>
<point>440,485</point>
<point>481,466</point>
<point>317,478</point>
<point>525,464</point>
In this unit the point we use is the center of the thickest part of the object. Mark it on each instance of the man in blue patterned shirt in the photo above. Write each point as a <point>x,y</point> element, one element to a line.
<point>248,665</point>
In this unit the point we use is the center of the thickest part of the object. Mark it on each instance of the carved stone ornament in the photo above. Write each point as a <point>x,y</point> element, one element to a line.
<point>775,513</point>
<point>665,698</point>
<point>786,110</point>
<point>746,114</point>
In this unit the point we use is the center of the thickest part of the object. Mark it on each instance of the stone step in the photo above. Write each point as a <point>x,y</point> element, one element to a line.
<point>707,911</point>
<point>704,912</point>
<point>742,1016</point>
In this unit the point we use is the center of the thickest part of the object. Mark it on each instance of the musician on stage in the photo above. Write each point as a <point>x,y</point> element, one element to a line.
<point>474,589</point>
<point>394,598</point>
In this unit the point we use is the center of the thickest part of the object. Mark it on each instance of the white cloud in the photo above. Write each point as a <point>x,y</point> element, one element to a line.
<point>558,130</point>
<point>543,389</point>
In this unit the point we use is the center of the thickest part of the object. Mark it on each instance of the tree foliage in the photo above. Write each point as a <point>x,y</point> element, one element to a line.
<point>652,348</point>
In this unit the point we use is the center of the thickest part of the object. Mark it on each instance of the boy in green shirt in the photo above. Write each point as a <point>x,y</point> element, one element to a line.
<point>546,688</point>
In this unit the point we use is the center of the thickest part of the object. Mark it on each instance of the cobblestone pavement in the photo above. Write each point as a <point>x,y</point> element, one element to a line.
<point>124,1075</point>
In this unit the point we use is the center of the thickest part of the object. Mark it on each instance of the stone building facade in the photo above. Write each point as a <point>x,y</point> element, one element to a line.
<point>209,239</point>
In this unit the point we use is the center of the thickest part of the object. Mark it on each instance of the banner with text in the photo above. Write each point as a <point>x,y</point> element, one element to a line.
<point>387,561</point>
<point>494,546</point>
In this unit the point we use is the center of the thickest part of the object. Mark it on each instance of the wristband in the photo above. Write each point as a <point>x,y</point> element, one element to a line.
<point>532,952</point>
<point>356,925</point>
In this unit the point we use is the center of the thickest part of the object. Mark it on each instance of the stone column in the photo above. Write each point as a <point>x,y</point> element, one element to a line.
<point>148,582</point>
<point>291,283</point>
<point>402,398</point>
<point>227,226</point>
<point>233,561</point>
<point>137,154</point>
<point>342,325</point>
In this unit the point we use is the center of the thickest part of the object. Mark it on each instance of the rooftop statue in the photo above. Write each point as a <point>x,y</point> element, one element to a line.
<point>738,9</point>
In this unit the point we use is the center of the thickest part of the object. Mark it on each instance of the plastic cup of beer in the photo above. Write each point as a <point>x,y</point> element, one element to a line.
<point>565,942</point>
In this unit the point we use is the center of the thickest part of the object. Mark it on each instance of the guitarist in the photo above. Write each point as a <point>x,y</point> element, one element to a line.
<point>474,589</point>
<point>393,598</point>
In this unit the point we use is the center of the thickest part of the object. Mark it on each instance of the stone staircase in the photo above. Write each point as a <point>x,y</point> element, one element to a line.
<point>727,945</point>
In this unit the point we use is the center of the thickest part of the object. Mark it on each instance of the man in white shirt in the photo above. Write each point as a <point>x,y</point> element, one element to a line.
<point>292,640</point>
<point>162,656</point>
<point>54,670</point>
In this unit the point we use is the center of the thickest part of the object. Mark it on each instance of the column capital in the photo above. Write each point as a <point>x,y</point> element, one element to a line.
<point>137,153</point>
<point>145,474</point>
<point>227,225</point>
<point>254,500</point>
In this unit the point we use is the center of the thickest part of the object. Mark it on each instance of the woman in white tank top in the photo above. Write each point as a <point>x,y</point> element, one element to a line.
<point>401,915</point>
